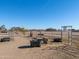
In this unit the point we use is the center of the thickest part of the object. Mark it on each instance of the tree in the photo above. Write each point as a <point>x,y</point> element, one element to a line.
<point>3,29</point>
<point>18,29</point>
<point>50,29</point>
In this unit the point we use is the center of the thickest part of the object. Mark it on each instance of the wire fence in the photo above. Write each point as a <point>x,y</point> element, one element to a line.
<point>66,52</point>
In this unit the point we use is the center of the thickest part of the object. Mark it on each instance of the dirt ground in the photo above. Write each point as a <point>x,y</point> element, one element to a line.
<point>10,50</point>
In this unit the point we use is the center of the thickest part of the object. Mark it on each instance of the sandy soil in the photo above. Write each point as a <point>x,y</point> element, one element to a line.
<point>10,50</point>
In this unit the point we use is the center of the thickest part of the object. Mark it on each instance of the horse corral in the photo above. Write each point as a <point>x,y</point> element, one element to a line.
<point>41,45</point>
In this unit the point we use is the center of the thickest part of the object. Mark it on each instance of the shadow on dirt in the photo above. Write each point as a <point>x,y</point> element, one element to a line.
<point>26,46</point>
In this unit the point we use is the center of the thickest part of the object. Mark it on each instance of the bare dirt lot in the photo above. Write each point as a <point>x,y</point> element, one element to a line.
<point>10,50</point>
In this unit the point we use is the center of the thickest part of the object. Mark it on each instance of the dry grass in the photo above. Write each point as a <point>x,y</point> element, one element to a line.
<point>10,50</point>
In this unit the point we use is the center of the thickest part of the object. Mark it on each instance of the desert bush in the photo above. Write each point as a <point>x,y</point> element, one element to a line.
<point>51,29</point>
<point>18,29</point>
<point>3,29</point>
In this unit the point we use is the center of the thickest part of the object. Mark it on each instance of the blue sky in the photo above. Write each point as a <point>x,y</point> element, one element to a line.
<point>39,13</point>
